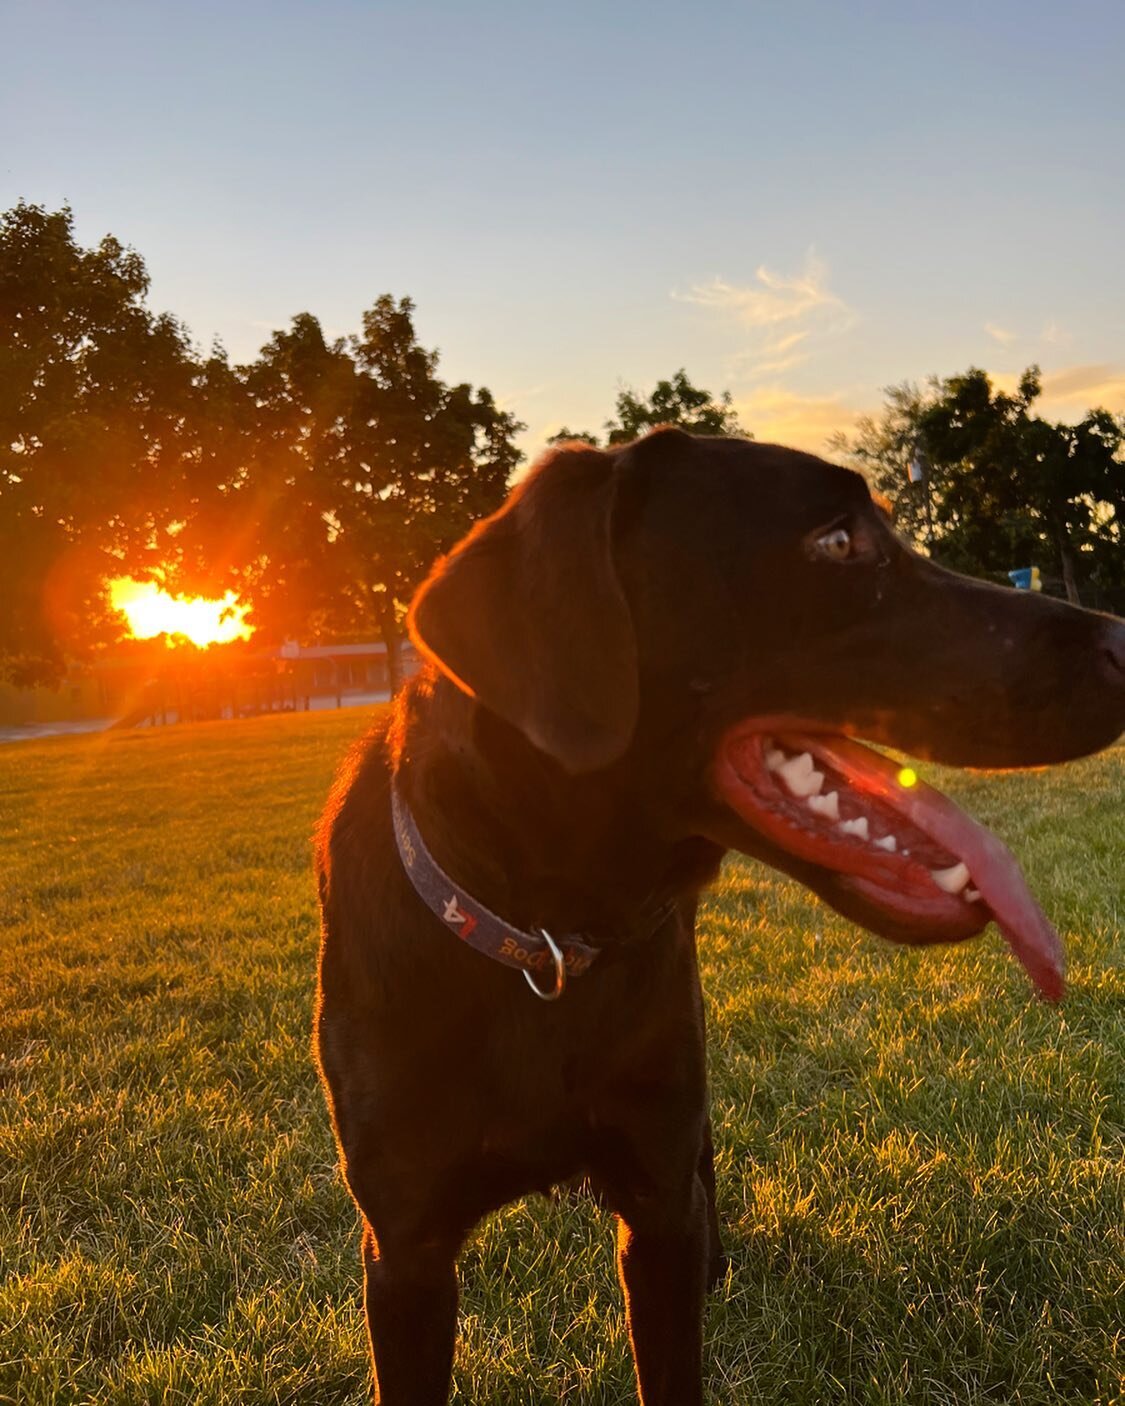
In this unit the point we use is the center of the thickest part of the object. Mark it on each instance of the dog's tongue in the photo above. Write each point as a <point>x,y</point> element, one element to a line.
<point>995,872</point>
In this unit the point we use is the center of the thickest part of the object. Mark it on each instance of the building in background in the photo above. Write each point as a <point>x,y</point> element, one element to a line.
<point>146,682</point>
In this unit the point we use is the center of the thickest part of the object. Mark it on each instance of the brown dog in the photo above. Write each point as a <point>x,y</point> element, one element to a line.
<point>644,658</point>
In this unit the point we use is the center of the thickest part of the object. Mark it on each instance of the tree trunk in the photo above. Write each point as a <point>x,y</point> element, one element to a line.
<point>388,629</point>
<point>1066,556</point>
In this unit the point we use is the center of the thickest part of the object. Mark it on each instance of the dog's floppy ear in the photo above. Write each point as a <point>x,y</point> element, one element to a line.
<point>528,615</point>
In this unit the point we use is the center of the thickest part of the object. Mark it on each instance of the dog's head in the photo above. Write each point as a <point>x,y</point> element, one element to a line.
<point>728,616</point>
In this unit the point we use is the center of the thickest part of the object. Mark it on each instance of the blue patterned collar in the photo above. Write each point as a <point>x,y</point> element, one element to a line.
<point>537,955</point>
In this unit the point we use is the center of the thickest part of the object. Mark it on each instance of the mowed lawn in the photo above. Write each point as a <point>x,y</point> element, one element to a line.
<point>921,1166</point>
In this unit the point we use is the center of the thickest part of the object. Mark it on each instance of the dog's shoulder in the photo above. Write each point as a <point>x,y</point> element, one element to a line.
<point>359,801</point>
<point>363,899</point>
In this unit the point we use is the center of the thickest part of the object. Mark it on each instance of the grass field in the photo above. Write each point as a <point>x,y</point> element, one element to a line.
<point>922,1168</point>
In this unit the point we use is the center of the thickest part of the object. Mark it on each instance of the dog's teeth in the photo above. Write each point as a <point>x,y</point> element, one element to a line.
<point>952,880</point>
<point>800,765</point>
<point>775,759</point>
<point>857,827</point>
<point>826,806</point>
<point>971,895</point>
<point>888,842</point>
<point>800,777</point>
<point>804,786</point>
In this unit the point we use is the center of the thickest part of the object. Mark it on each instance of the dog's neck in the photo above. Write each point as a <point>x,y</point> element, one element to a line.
<point>537,846</point>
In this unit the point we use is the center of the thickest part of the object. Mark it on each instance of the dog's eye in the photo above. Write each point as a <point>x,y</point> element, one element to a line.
<point>835,545</point>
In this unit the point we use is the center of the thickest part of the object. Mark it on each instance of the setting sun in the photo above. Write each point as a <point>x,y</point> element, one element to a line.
<point>151,611</point>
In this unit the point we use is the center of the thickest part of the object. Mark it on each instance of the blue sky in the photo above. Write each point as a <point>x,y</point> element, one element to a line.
<point>800,202</point>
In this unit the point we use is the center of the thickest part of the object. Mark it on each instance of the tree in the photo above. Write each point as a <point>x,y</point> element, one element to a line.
<point>356,465</point>
<point>320,480</point>
<point>674,402</point>
<point>94,390</point>
<point>884,450</point>
<point>569,436</point>
<point>1004,486</point>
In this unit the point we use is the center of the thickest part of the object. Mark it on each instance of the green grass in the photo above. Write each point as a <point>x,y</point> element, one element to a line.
<point>922,1168</point>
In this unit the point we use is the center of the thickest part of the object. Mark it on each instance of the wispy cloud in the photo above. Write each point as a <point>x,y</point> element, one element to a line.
<point>774,367</point>
<point>1099,384</point>
<point>1070,391</point>
<point>779,415</point>
<point>516,401</point>
<point>1001,334</point>
<point>773,298</point>
<point>777,353</point>
<point>788,342</point>
<point>783,314</point>
<point>1056,336</point>
<point>1052,335</point>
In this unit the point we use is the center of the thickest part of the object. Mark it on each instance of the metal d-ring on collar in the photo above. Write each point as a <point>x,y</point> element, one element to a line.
<point>475,925</point>
<point>560,971</point>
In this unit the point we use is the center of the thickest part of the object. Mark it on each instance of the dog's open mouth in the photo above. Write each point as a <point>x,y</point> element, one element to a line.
<point>894,854</point>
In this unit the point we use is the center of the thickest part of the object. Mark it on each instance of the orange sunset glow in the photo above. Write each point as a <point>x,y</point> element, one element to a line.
<point>152,611</point>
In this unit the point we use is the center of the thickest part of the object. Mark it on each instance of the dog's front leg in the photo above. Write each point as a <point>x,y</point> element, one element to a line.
<point>410,1297</point>
<point>716,1259</point>
<point>662,1255</point>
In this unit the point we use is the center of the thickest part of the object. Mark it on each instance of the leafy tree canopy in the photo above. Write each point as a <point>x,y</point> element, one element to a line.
<point>1003,488</point>
<point>356,465</point>
<point>673,402</point>
<point>318,480</point>
<point>94,393</point>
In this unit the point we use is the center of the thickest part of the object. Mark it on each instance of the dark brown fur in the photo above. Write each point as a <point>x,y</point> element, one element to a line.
<point>591,643</point>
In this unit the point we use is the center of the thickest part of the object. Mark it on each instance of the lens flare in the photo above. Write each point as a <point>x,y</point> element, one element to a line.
<point>151,611</point>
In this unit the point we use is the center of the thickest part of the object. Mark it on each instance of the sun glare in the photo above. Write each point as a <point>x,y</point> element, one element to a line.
<point>151,611</point>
